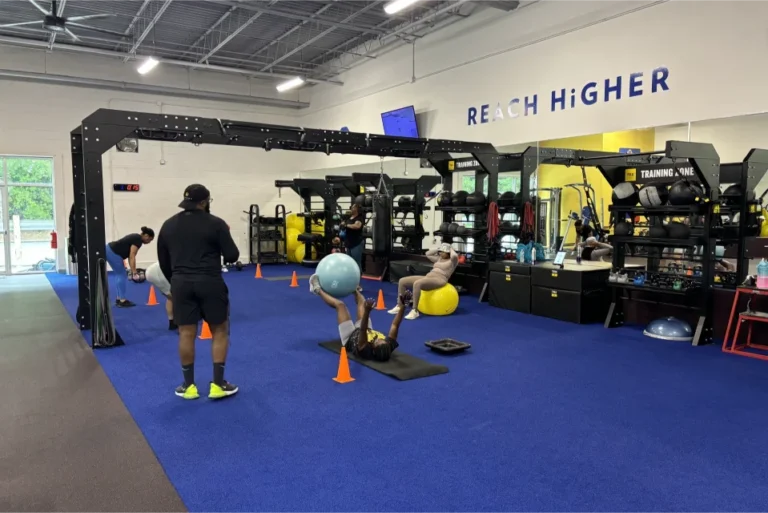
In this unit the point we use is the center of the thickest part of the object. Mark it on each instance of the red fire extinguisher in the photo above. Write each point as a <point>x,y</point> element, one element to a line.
<point>54,240</point>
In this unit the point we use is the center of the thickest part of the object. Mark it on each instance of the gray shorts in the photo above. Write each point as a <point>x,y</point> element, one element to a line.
<point>349,328</point>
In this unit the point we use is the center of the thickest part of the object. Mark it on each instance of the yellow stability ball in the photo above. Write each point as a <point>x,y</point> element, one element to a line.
<point>442,301</point>
<point>764,227</point>
<point>318,228</point>
<point>294,222</point>
<point>292,240</point>
<point>301,252</point>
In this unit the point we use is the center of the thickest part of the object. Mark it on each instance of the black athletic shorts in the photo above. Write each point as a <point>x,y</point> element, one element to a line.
<point>199,297</point>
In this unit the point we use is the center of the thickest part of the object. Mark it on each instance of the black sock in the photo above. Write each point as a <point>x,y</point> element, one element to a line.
<point>172,325</point>
<point>189,374</point>
<point>218,373</point>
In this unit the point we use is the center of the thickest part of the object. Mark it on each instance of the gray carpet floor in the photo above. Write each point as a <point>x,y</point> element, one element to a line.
<point>67,442</point>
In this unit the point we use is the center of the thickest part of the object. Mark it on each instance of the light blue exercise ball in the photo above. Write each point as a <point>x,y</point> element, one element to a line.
<point>339,274</point>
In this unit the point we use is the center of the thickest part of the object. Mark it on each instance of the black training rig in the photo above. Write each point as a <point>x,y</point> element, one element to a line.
<point>105,128</point>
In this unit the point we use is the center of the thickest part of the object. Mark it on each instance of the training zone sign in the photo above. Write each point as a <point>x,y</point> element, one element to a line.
<point>567,98</point>
<point>647,174</point>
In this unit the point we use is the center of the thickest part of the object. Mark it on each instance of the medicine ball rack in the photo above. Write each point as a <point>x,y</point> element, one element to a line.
<point>704,162</point>
<point>267,232</point>
<point>319,199</point>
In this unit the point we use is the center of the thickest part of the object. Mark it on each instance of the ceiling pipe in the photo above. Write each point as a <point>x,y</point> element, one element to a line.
<point>111,85</point>
<point>15,41</point>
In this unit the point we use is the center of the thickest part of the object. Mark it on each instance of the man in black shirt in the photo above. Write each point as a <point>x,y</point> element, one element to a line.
<point>190,247</point>
<point>353,238</point>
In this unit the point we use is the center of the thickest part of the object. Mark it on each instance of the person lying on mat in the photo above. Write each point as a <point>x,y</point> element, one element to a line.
<point>359,337</point>
<point>445,261</point>
<point>156,277</point>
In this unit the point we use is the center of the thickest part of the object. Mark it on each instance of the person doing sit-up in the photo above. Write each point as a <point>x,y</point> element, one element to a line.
<point>359,337</point>
<point>445,260</point>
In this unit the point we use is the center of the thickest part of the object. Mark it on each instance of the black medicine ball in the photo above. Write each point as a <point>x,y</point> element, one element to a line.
<point>732,195</point>
<point>452,228</point>
<point>404,201</point>
<point>476,199</point>
<point>657,232</point>
<point>460,199</point>
<point>624,229</point>
<point>368,200</point>
<point>462,230</point>
<point>682,194</point>
<point>654,195</point>
<point>507,199</point>
<point>444,227</point>
<point>625,195</point>
<point>518,202</point>
<point>445,199</point>
<point>677,230</point>
<point>360,200</point>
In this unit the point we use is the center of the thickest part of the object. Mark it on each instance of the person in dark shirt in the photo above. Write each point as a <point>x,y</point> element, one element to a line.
<point>190,248</point>
<point>126,248</point>
<point>353,239</point>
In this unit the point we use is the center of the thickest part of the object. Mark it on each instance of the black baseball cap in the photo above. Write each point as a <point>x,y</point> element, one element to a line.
<point>193,195</point>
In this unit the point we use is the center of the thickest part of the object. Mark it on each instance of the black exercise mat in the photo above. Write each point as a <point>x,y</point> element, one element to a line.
<point>400,366</point>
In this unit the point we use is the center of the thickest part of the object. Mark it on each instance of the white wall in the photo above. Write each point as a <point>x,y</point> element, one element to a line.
<point>36,119</point>
<point>732,137</point>
<point>709,49</point>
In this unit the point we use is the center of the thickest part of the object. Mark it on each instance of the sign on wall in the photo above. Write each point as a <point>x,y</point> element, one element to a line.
<point>646,174</point>
<point>591,93</point>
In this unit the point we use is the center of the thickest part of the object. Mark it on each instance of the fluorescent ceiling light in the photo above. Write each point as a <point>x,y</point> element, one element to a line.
<point>148,65</point>
<point>398,5</point>
<point>289,84</point>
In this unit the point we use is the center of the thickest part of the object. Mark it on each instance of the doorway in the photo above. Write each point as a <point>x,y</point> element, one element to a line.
<point>26,215</point>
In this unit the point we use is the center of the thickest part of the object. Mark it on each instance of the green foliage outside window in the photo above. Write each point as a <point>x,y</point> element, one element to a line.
<point>32,203</point>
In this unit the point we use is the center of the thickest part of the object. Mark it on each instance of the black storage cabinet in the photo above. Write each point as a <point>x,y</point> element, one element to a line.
<point>577,293</point>
<point>509,286</point>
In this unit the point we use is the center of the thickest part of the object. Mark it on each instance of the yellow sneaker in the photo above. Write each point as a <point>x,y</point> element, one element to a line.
<point>220,392</point>
<point>187,392</point>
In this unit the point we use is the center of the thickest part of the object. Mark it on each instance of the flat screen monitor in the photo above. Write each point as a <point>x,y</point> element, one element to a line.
<point>400,122</point>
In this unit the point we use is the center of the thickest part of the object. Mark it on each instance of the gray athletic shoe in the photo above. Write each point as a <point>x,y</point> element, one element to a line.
<point>314,284</point>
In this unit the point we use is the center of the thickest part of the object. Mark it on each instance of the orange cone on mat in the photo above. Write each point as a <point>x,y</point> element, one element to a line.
<point>205,332</point>
<point>258,271</point>
<point>343,375</point>
<point>294,280</point>
<point>152,301</point>
<point>380,302</point>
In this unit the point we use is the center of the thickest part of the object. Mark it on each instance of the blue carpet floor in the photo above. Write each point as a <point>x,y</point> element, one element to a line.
<point>540,416</point>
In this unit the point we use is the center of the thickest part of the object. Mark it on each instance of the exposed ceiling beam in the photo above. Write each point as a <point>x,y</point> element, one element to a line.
<point>234,34</point>
<point>112,85</point>
<point>17,41</point>
<point>148,29</point>
<point>209,30</point>
<point>338,48</point>
<point>320,35</point>
<point>136,17</point>
<point>504,5</point>
<point>288,33</point>
<point>243,4</point>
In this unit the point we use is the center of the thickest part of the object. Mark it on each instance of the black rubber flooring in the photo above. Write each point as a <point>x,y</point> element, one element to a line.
<point>67,442</point>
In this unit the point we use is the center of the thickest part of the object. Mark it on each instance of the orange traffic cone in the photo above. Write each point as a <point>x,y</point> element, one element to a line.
<point>380,302</point>
<point>152,301</point>
<point>205,332</point>
<point>294,280</point>
<point>343,375</point>
<point>258,271</point>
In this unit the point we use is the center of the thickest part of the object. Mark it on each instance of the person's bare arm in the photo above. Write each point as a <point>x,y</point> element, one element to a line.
<point>357,225</point>
<point>132,259</point>
<point>432,255</point>
<point>454,257</point>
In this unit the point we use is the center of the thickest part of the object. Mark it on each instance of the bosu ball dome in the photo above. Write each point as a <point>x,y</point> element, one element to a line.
<point>669,328</point>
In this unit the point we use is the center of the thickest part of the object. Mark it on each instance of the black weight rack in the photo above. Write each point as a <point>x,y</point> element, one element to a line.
<point>681,288</point>
<point>266,235</point>
<point>410,196</point>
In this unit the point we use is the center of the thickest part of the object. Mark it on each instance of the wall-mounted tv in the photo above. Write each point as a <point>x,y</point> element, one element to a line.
<point>400,122</point>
